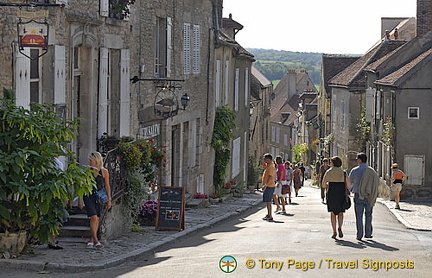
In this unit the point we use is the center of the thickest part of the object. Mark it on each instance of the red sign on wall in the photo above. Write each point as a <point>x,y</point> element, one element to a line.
<point>33,34</point>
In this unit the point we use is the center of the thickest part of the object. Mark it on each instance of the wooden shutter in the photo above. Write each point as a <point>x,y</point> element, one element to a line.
<point>218,83</point>
<point>196,49</point>
<point>186,48</point>
<point>59,74</point>
<point>236,90</point>
<point>104,8</point>
<point>22,79</point>
<point>246,88</point>
<point>103,92</point>
<point>169,47</point>
<point>125,92</point>
<point>226,80</point>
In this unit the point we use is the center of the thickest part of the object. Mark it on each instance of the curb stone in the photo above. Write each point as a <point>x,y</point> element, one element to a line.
<point>120,259</point>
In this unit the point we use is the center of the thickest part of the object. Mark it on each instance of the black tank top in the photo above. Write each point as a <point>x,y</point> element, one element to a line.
<point>100,182</point>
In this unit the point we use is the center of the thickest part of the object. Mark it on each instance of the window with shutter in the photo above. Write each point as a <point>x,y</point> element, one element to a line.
<point>35,70</point>
<point>218,83</point>
<point>226,82</point>
<point>186,48</point>
<point>196,49</point>
<point>246,88</point>
<point>161,48</point>
<point>124,92</point>
<point>236,90</point>
<point>103,92</point>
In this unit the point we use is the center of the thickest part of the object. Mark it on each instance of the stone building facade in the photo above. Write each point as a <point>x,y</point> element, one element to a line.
<point>126,74</point>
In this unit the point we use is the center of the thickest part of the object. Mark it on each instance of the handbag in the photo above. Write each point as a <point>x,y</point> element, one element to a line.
<point>347,201</point>
<point>286,188</point>
<point>102,196</point>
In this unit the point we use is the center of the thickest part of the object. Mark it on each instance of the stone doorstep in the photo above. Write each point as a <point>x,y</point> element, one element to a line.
<point>198,203</point>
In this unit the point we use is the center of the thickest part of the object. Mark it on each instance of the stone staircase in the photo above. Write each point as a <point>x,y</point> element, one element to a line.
<point>77,229</point>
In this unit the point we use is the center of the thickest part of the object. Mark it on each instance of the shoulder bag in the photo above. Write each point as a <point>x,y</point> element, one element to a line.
<point>347,201</point>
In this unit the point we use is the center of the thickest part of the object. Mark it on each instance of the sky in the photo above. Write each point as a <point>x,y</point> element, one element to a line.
<point>324,26</point>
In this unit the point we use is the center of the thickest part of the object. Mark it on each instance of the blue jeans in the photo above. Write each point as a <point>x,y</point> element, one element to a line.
<point>360,207</point>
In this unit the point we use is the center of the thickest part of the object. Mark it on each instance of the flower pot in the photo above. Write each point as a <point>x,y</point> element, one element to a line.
<point>13,243</point>
<point>214,200</point>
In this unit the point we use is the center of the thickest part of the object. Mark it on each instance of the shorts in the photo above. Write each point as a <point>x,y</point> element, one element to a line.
<point>278,189</point>
<point>268,194</point>
<point>92,205</point>
<point>396,187</point>
<point>283,183</point>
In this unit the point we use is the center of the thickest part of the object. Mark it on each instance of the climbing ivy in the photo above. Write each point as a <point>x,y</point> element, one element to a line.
<point>388,131</point>
<point>363,128</point>
<point>222,134</point>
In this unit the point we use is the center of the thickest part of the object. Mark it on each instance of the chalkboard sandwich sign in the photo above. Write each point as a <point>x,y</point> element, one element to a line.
<point>171,209</point>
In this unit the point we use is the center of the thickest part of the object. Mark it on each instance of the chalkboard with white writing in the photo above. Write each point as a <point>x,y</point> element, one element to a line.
<point>171,208</point>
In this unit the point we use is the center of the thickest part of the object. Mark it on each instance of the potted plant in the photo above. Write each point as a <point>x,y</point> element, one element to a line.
<point>238,189</point>
<point>33,191</point>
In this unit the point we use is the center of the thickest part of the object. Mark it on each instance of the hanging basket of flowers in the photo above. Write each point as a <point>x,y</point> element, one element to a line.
<point>120,9</point>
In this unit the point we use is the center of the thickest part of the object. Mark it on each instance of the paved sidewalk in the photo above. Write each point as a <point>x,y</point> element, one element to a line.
<point>413,215</point>
<point>76,258</point>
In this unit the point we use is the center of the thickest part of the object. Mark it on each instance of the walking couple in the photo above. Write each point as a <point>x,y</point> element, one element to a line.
<point>363,181</point>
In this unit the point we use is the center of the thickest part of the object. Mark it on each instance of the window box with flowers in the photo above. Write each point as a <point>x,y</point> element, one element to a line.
<point>120,9</point>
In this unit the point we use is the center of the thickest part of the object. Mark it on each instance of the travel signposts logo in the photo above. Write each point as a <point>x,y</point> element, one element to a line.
<point>227,264</point>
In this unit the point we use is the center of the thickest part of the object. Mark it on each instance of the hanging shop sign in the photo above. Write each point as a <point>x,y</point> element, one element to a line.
<point>33,34</point>
<point>149,132</point>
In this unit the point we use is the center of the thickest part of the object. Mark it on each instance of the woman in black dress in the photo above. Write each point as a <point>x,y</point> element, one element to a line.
<point>337,182</point>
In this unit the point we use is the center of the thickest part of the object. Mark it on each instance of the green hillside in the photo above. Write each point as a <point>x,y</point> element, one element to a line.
<point>275,63</point>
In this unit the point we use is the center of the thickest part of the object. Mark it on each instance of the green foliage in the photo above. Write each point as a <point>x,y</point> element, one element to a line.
<point>136,193</point>
<point>298,150</point>
<point>33,192</point>
<point>364,128</point>
<point>275,63</point>
<point>388,132</point>
<point>130,154</point>
<point>221,140</point>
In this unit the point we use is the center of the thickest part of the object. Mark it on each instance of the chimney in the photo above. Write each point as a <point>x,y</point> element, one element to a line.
<point>292,83</point>
<point>424,17</point>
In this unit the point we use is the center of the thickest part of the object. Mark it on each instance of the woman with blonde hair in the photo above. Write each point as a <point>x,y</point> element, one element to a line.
<point>92,202</point>
<point>337,182</point>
